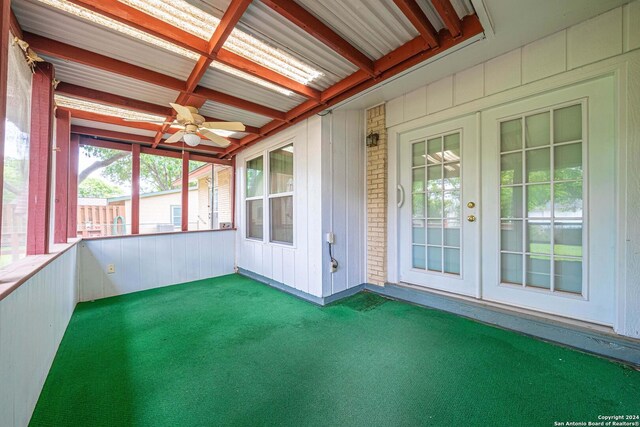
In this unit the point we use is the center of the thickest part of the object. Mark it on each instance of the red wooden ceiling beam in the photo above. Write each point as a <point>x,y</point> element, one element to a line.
<point>388,68</point>
<point>75,54</point>
<point>312,25</point>
<point>144,140</point>
<point>449,16</point>
<point>130,16</point>
<point>223,98</point>
<point>419,20</point>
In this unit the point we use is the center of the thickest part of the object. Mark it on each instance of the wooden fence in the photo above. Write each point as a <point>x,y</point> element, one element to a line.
<point>95,220</point>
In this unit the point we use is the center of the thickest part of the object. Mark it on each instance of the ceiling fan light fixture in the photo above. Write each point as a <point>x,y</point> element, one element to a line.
<point>191,139</point>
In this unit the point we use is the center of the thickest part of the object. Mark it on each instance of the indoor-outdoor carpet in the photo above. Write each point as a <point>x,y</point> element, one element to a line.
<point>231,351</point>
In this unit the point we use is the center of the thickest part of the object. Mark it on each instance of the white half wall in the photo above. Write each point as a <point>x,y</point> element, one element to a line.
<point>33,319</point>
<point>152,261</point>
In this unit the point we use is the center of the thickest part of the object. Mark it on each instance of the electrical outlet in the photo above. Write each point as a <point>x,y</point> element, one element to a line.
<point>331,238</point>
<point>111,268</point>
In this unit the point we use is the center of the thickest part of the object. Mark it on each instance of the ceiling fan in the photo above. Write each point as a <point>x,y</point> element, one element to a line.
<point>194,126</point>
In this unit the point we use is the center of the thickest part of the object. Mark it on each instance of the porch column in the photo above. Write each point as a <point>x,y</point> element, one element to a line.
<point>72,201</point>
<point>40,148</point>
<point>135,189</point>
<point>185,191</point>
<point>377,198</point>
<point>61,217</point>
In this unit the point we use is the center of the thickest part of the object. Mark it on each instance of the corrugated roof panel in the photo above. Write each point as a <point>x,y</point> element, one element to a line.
<point>237,135</point>
<point>61,26</point>
<point>223,82</point>
<point>265,24</point>
<point>93,78</point>
<point>115,128</point>
<point>462,8</point>
<point>375,27</point>
<point>232,114</point>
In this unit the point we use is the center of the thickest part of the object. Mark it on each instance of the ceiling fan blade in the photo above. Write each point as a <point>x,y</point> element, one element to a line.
<point>183,111</point>
<point>175,137</point>
<point>215,138</point>
<point>234,126</point>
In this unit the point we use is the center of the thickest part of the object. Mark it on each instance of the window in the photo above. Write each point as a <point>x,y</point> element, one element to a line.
<point>281,194</point>
<point>254,198</point>
<point>176,216</point>
<point>15,193</point>
<point>278,198</point>
<point>541,200</point>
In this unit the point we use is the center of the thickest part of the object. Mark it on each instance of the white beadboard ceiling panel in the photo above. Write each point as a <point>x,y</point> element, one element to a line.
<point>93,78</point>
<point>375,27</point>
<point>51,23</point>
<point>223,82</point>
<point>268,26</point>
<point>115,128</point>
<point>232,114</point>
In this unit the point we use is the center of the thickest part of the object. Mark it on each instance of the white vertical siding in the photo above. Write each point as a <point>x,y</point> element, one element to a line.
<point>33,319</point>
<point>145,262</point>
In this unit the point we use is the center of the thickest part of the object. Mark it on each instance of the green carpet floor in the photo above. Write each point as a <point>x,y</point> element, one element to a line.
<point>231,351</point>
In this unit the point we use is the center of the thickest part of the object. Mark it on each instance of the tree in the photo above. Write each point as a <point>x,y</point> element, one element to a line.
<point>97,187</point>
<point>157,173</point>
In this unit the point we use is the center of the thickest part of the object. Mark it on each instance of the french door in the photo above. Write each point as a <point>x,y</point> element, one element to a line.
<point>438,189</point>
<point>548,216</point>
<point>537,183</point>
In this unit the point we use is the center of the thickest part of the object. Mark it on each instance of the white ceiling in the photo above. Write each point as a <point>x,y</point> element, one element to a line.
<point>508,24</point>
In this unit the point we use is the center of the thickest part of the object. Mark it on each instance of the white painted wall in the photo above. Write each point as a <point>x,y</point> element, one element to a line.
<point>344,199</point>
<point>608,44</point>
<point>152,261</point>
<point>33,319</point>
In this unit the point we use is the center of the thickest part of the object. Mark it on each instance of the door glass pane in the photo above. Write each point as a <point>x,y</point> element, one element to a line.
<point>511,268</point>
<point>418,257</point>
<point>452,261</point>
<point>434,232</point>
<point>511,135</point>
<point>452,232</point>
<point>254,219</point>
<point>511,169</point>
<point>567,124</point>
<point>281,170</point>
<point>418,205</point>
<point>418,154</point>
<point>418,180</point>
<point>511,202</point>
<point>418,232</point>
<point>553,200</point>
<point>539,201</point>
<point>567,236</point>
<point>511,236</point>
<point>434,150</point>
<point>254,177</point>
<point>537,131</point>
<point>434,205</point>
<point>538,271</point>
<point>434,178</point>
<point>434,258</point>
<point>452,176</point>
<point>452,204</point>
<point>568,162</point>
<point>568,275</point>
<point>568,199</point>
<point>538,165</point>
<point>452,147</point>
<point>539,237</point>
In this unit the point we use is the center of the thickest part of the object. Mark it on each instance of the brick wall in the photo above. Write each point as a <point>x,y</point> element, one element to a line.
<point>377,198</point>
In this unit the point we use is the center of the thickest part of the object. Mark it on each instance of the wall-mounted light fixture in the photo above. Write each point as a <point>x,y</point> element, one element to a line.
<point>372,139</point>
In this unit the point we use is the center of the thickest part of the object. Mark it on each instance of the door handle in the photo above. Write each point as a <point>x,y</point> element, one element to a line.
<point>401,198</point>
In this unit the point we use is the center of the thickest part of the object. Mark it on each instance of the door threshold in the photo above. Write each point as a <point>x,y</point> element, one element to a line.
<point>588,337</point>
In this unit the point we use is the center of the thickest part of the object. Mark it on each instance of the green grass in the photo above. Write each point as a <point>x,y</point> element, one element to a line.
<point>230,351</point>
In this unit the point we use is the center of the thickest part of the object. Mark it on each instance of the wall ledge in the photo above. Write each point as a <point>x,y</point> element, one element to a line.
<point>12,277</point>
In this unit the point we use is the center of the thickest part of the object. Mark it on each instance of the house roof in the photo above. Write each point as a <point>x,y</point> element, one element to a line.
<point>146,195</point>
<point>267,63</point>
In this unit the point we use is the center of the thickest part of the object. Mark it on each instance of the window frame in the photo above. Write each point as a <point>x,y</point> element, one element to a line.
<point>172,209</point>
<point>267,196</point>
